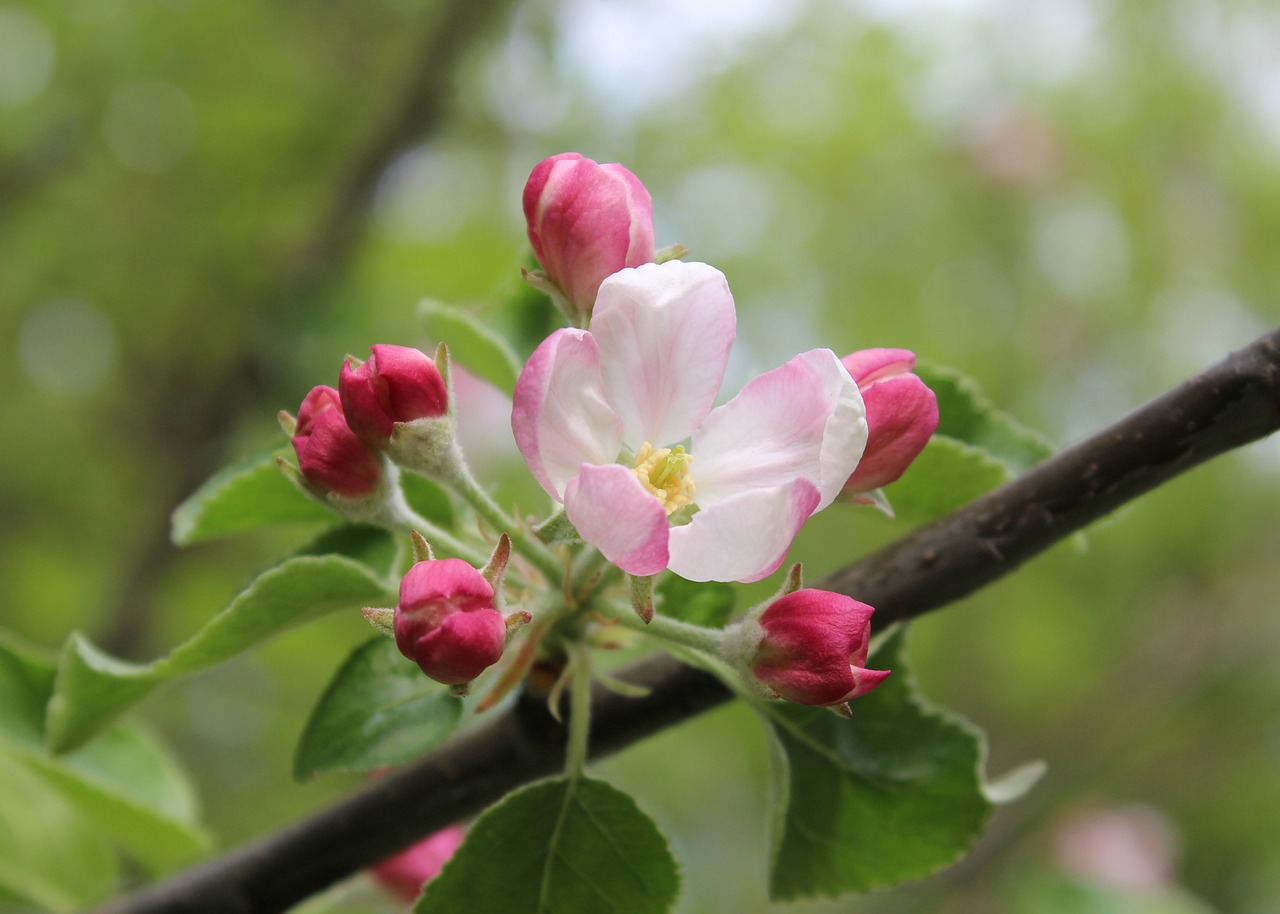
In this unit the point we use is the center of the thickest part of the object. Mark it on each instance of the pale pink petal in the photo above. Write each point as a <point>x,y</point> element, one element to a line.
<point>559,415</point>
<point>803,420</point>
<point>746,536</point>
<point>664,332</point>
<point>613,512</point>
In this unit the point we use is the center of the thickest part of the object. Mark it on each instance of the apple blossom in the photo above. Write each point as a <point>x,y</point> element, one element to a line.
<point>585,222</point>
<point>808,646</point>
<point>330,456</point>
<point>404,874</point>
<point>600,416</point>
<point>902,414</point>
<point>447,621</point>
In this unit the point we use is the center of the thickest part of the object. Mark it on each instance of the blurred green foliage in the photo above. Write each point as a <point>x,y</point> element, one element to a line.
<point>1076,202</point>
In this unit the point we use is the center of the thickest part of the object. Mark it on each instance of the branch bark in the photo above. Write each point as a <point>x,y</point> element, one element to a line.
<point>1231,404</point>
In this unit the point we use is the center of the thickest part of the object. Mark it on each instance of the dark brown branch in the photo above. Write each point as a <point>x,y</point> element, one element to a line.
<point>1231,404</point>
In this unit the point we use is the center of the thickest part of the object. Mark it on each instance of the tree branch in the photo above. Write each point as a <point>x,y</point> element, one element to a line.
<point>1231,404</point>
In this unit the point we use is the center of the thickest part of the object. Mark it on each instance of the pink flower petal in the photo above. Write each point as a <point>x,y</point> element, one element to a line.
<point>867,366</point>
<point>613,512</point>
<point>746,536</point>
<point>559,414</point>
<point>664,332</point>
<point>803,420</point>
<point>902,413</point>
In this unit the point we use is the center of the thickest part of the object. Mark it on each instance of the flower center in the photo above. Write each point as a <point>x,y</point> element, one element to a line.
<point>665,473</point>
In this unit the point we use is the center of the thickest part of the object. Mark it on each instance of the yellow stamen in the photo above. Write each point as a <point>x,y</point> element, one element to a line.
<point>665,474</point>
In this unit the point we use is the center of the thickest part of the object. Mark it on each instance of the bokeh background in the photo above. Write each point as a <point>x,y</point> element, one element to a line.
<point>204,205</point>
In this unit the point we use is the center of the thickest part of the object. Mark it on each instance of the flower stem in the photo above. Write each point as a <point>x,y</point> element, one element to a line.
<point>665,628</point>
<point>579,710</point>
<point>524,542</point>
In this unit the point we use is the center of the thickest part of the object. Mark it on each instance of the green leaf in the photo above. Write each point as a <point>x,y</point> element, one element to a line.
<point>50,856</point>
<point>93,687</point>
<point>967,415</point>
<point>555,847</point>
<point>379,709</point>
<point>368,545</point>
<point>894,794</point>
<point>709,604</point>
<point>947,474</point>
<point>472,343</point>
<point>124,782</point>
<point>250,493</point>
<point>428,498</point>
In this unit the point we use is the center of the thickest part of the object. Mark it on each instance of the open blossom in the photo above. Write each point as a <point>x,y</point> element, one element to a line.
<point>586,221</point>
<point>810,647</point>
<point>601,417</point>
<point>902,414</point>
<point>330,456</point>
<point>446,621</point>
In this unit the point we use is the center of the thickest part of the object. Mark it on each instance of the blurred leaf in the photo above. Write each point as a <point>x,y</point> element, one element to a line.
<point>49,855</point>
<point>93,687</point>
<point>709,604</point>
<point>124,781</point>
<point>561,845</point>
<point>1049,892</point>
<point>965,413</point>
<point>379,709</point>
<point>896,793</point>
<point>247,494</point>
<point>372,546</point>
<point>947,474</point>
<point>472,343</point>
<point>427,497</point>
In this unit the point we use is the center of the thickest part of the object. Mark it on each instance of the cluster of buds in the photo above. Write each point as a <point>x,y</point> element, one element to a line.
<point>578,404</point>
<point>397,402</point>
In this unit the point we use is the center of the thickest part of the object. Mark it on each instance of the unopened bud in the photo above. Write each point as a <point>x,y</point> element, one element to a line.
<point>808,646</point>
<point>330,456</point>
<point>446,621</point>
<point>586,221</point>
<point>902,414</point>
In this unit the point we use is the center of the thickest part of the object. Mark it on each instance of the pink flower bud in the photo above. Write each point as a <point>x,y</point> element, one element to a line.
<point>396,384</point>
<point>902,413</point>
<point>404,874</point>
<point>814,647</point>
<point>446,621</point>
<point>586,221</point>
<point>330,456</point>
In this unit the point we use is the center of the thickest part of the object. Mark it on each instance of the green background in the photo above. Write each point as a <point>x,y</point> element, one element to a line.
<point>1077,203</point>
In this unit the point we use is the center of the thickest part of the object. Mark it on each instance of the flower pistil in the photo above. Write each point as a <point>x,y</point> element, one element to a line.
<point>664,473</point>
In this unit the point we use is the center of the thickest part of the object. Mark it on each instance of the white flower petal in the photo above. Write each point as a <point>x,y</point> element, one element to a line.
<point>803,420</point>
<point>664,332</point>
<point>559,414</point>
<point>746,536</point>
<point>613,512</point>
